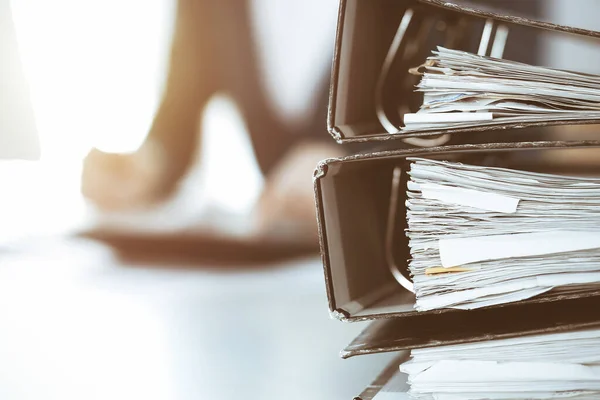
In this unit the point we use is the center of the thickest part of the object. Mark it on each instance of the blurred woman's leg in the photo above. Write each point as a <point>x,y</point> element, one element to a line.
<point>286,150</point>
<point>213,49</point>
<point>242,79</point>
<point>193,77</point>
<point>119,181</point>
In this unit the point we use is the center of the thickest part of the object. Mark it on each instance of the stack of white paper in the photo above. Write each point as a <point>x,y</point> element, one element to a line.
<point>547,366</point>
<point>480,236</point>
<point>463,90</point>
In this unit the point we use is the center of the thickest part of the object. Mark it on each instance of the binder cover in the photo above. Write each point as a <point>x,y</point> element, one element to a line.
<point>388,373</point>
<point>517,319</point>
<point>465,327</point>
<point>365,30</point>
<point>354,198</point>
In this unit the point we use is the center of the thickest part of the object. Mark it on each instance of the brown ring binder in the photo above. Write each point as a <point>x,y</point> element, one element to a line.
<point>360,198</point>
<point>365,31</point>
<point>353,199</point>
<point>519,319</point>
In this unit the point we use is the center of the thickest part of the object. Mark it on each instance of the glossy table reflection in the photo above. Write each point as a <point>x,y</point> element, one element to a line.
<point>76,323</point>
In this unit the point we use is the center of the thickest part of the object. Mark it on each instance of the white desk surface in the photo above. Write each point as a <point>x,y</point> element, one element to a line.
<point>77,324</point>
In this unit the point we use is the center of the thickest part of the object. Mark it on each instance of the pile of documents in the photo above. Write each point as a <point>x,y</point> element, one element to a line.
<point>481,236</point>
<point>547,366</point>
<point>464,90</point>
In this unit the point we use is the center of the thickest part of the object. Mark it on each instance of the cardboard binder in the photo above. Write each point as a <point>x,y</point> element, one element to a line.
<point>517,319</point>
<point>384,378</point>
<point>361,219</point>
<point>360,199</point>
<point>466,327</point>
<point>365,31</point>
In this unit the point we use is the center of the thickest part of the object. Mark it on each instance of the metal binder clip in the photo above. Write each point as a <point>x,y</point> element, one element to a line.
<point>390,233</point>
<point>500,35</point>
<point>408,48</point>
<point>399,42</point>
<point>385,69</point>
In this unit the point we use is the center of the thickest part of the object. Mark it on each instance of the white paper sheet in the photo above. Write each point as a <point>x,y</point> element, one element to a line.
<point>470,198</point>
<point>461,251</point>
<point>422,118</point>
<point>465,90</point>
<point>518,234</point>
<point>562,365</point>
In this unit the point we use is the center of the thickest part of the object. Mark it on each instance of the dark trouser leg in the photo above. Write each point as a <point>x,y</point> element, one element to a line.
<point>214,49</point>
<point>242,80</point>
<point>193,77</point>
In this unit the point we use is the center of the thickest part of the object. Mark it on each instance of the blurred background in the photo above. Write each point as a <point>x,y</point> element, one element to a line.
<point>78,321</point>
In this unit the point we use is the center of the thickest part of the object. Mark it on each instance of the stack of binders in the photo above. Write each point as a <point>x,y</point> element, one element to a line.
<point>471,238</point>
